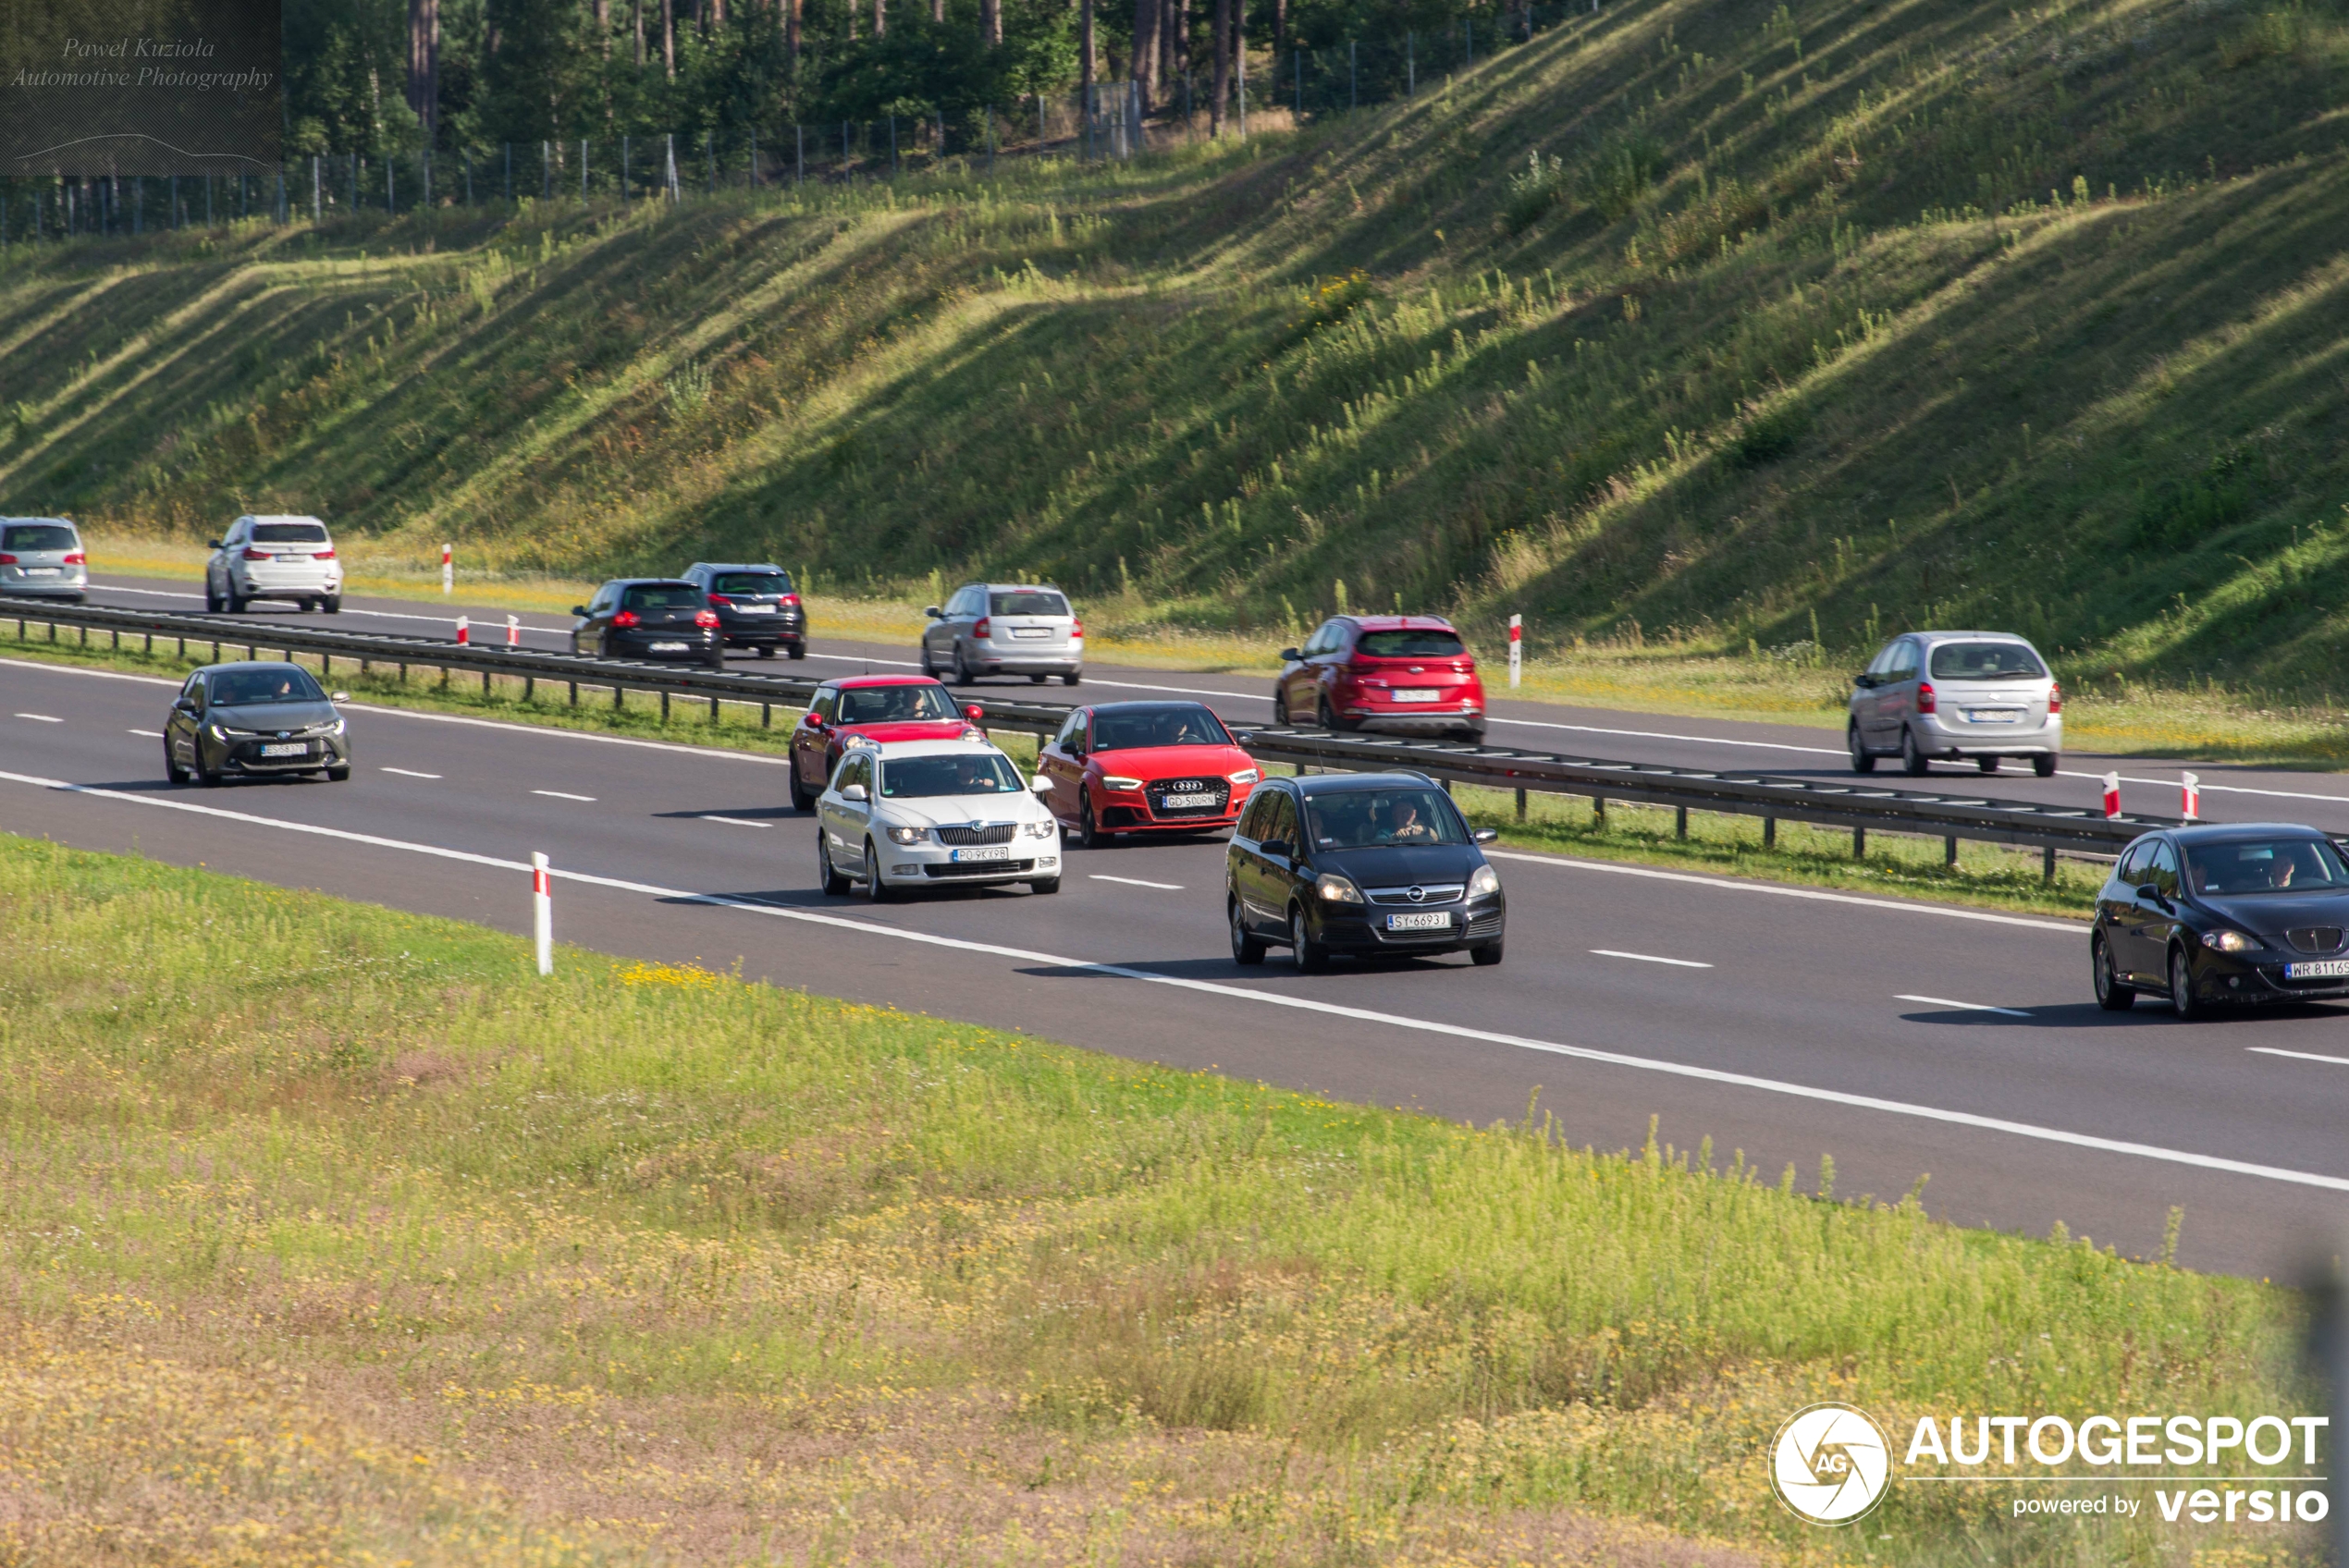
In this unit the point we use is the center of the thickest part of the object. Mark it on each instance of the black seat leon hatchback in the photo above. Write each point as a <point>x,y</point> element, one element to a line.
<point>1372,864</point>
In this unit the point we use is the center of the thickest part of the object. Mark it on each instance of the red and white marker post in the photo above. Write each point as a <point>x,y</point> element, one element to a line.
<point>2193,792</point>
<point>448,569</point>
<point>2112,794</point>
<point>1517,650</point>
<point>542,914</point>
<point>513,631</point>
<point>464,631</point>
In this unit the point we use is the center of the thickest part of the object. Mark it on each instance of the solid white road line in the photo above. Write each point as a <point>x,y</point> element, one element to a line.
<point>150,734</point>
<point>561,795</point>
<point>408,773</point>
<point>735,821</point>
<point>2303,1056</point>
<point>1963,1007</point>
<point>1651,958</point>
<point>1774,890</point>
<point>1265,998</point>
<point>1138,882</point>
<point>41,718</point>
<point>346,609</point>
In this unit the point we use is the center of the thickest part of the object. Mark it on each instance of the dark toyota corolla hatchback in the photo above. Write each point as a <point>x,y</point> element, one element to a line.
<point>2258,912</point>
<point>1363,864</point>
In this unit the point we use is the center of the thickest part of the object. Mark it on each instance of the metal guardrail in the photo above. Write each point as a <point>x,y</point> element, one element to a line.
<point>1860,807</point>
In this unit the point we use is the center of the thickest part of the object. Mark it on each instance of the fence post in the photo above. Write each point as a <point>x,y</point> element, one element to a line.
<point>1516,651</point>
<point>542,915</point>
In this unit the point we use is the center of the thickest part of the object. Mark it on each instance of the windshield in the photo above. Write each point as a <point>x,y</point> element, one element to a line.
<point>970,773</point>
<point>1987,661</point>
<point>1158,727</point>
<point>2265,865</point>
<point>1411,645</point>
<point>288,534</point>
<point>882,705</point>
<point>751,584</point>
<point>663,596</point>
<point>1353,819</point>
<point>243,688</point>
<point>1026,601</point>
<point>39,536</point>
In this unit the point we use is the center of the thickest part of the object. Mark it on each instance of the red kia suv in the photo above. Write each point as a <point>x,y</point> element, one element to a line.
<point>880,708</point>
<point>1391,674</point>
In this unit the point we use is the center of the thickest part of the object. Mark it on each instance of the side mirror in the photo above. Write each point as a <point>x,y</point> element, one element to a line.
<point>338,696</point>
<point>579,609</point>
<point>814,720</point>
<point>1279,849</point>
<point>212,545</point>
<point>934,613</point>
<point>183,704</point>
<point>1290,655</point>
<point>1040,785</point>
<point>1864,681</point>
<point>853,792</point>
<point>1487,835</point>
<point>975,713</point>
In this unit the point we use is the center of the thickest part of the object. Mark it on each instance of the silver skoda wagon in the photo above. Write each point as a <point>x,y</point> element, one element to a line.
<point>1960,696</point>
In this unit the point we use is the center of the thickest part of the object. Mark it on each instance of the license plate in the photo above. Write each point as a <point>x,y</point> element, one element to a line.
<point>295,749</point>
<point>1430,920</point>
<point>754,609</point>
<point>1179,802</point>
<point>1996,716</point>
<point>1032,631</point>
<point>1415,695</point>
<point>985,851</point>
<point>669,647</point>
<point>42,570</point>
<point>2323,969</point>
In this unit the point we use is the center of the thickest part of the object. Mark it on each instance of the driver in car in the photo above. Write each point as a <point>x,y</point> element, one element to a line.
<point>971,780</point>
<point>1405,827</point>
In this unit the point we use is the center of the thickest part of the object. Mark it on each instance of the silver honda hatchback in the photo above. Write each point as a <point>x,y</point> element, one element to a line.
<point>1960,696</point>
<point>43,554</point>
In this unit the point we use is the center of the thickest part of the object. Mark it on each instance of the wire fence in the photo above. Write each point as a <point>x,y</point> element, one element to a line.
<point>1279,88</point>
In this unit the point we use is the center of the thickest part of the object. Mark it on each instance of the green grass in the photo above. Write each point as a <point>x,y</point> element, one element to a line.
<point>337,1228</point>
<point>1856,316</point>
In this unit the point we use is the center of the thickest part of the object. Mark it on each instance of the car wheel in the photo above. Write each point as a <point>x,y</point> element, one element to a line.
<point>1088,830</point>
<point>799,650</point>
<point>875,889</point>
<point>1246,949</point>
<point>331,604</point>
<point>1072,678</point>
<point>1328,719</point>
<point>2112,993</point>
<point>800,798</point>
<point>237,605</point>
<point>206,778</point>
<point>828,875</point>
<point>1045,885</point>
<point>171,769</point>
<point>1987,764</point>
<point>961,674</point>
<point>1912,761</point>
<point>338,775</point>
<point>1309,955</point>
<point>928,668</point>
<point>306,607</point>
<point>2183,1001</point>
<point>211,602</point>
<point>1485,954</point>
<point>1036,680</point>
<point>2044,768</point>
<point>1862,760</point>
<point>1280,707</point>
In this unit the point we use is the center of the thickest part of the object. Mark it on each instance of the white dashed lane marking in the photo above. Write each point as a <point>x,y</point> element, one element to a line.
<point>735,821</point>
<point>1651,958</point>
<point>1138,882</point>
<point>149,734</point>
<point>409,772</point>
<point>41,718</point>
<point>1963,1007</point>
<point>560,795</point>
<point>2303,1056</point>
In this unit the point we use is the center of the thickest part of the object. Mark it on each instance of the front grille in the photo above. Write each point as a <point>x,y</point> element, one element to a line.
<point>982,833</point>
<point>2315,938</point>
<point>1219,791</point>
<point>1487,926</point>
<point>978,868</point>
<point>1429,893</point>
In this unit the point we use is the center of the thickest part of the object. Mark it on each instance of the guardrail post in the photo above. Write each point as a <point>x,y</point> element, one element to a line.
<point>1859,843</point>
<point>1948,852</point>
<point>1598,811</point>
<point>1521,805</point>
<point>1769,832</point>
<point>766,720</point>
<point>1680,823</point>
<point>713,710</point>
<point>2047,863</point>
<point>575,694</point>
<point>664,706</point>
<point>618,698</point>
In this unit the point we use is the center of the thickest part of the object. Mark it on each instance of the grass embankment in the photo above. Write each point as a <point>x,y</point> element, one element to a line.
<point>337,1233</point>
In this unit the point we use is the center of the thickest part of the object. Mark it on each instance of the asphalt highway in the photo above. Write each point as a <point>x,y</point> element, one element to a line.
<point>1902,1038</point>
<point>2230,794</point>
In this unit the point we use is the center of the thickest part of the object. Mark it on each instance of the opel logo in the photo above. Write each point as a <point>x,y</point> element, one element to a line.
<point>1419,895</point>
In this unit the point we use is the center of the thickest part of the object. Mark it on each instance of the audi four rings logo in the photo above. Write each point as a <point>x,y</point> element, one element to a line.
<point>1830,1464</point>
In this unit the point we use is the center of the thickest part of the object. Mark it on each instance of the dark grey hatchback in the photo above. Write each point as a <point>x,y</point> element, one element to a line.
<point>2255,913</point>
<point>648,618</point>
<point>1372,865</point>
<point>256,720</point>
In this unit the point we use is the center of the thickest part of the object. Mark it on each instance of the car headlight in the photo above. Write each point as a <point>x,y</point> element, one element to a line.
<point>1247,776</point>
<point>336,728</point>
<point>2227,941</point>
<point>1038,829</point>
<point>1484,882</point>
<point>1111,781</point>
<point>906,835</point>
<point>1336,889</point>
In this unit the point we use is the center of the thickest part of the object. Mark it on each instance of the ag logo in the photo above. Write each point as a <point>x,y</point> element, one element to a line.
<point>1830,1464</point>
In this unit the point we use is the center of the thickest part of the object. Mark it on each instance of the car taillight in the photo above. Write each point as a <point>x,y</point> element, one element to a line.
<point>1926,700</point>
<point>791,600</point>
<point>75,558</point>
<point>322,554</point>
<point>1077,630</point>
<point>2055,697</point>
<point>7,560</point>
<point>980,631</point>
<point>719,602</point>
<point>625,618</point>
<point>254,555</point>
<point>705,618</point>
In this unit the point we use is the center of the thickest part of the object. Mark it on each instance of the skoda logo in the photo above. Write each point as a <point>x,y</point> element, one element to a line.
<point>1419,895</point>
<point>1830,1464</point>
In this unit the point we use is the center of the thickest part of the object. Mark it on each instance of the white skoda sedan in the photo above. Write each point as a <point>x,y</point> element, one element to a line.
<point>929,813</point>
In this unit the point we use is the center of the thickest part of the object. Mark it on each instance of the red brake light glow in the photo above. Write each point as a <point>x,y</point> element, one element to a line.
<point>718,601</point>
<point>322,554</point>
<point>625,618</point>
<point>1078,630</point>
<point>705,618</point>
<point>980,631</point>
<point>790,599</point>
<point>2055,697</point>
<point>254,555</point>
<point>7,560</point>
<point>1926,702</point>
<point>75,558</point>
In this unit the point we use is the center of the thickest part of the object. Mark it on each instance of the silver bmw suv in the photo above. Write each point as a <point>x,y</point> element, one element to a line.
<point>1963,696</point>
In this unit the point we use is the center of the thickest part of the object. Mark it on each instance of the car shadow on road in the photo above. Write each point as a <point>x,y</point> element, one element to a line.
<point>740,813</point>
<point>2088,1015</point>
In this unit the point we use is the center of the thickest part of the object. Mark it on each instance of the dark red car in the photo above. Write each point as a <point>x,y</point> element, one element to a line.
<point>881,708</point>
<point>1144,767</point>
<point>1391,674</point>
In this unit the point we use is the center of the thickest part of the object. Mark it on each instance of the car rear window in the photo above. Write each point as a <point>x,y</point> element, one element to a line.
<point>1174,725</point>
<point>968,773</point>
<point>39,536</point>
<point>1354,819</point>
<point>886,704</point>
<point>1026,601</point>
<point>288,534</point>
<point>1986,661</point>
<point>2265,865</point>
<point>663,596</point>
<point>243,688</point>
<point>751,584</point>
<point>1411,644</point>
